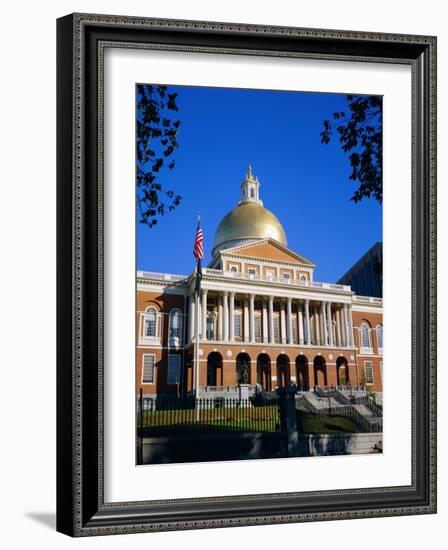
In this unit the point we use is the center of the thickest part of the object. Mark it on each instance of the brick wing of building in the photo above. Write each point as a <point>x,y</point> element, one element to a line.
<point>263,319</point>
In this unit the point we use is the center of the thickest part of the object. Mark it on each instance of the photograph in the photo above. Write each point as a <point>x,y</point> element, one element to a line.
<point>259,274</point>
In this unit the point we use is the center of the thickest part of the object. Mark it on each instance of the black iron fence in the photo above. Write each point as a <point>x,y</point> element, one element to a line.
<point>179,416</point>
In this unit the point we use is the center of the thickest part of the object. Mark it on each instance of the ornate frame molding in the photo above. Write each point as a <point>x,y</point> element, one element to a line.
<point>81,42</point>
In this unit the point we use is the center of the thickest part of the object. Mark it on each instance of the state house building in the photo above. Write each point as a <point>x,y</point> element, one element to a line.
<point>262,317</point>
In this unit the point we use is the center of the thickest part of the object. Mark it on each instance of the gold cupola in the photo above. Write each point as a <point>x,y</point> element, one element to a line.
<point>249,221</point>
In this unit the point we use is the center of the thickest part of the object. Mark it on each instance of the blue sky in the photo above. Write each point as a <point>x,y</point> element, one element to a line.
<point>303,182</point>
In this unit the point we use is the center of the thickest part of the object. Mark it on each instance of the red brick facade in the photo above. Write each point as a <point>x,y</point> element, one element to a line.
<point>271,364</point>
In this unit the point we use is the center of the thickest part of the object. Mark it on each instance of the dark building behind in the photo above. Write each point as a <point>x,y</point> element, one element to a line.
<point>366,275</point>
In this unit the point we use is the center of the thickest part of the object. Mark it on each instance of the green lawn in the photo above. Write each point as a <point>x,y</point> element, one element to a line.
<point>310,424</point>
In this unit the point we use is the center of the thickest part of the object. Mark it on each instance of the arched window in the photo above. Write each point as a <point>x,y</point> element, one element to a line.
<point>234,269</point>
<point>379,336</point>
<point>150,327</point>
<point>303,277</point>
<point>365,336</point>
<point>175,326</point>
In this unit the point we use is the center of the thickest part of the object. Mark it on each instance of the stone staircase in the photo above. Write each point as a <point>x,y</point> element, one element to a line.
<point>363,410</point>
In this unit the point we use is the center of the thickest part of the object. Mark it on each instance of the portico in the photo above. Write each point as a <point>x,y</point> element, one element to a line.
<point>307,317</point>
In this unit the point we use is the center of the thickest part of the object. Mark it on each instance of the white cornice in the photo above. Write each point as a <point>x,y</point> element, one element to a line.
<point>146,285</point>
<point>371,308</point>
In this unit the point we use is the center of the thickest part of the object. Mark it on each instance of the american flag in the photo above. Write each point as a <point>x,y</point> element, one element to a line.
<point>198,247</point>
<point>198,253</point>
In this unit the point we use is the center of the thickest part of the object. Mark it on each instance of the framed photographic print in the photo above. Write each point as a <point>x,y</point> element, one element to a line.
<point>246,274</point>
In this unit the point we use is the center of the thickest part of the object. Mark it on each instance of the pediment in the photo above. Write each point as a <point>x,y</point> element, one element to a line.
<point>268,249</point>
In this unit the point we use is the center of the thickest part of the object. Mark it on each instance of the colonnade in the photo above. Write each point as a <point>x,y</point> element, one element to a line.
<point>281,320</point>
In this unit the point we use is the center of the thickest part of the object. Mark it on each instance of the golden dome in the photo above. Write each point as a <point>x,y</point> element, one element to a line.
<point>249,220</point>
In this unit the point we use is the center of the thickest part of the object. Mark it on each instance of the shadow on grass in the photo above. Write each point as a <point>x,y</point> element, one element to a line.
<point>310,424</point>
<point>204,429</point>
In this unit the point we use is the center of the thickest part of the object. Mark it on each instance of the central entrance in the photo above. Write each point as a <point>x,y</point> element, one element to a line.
<point>264,371</point>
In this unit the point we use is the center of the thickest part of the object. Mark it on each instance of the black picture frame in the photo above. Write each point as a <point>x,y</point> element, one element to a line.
<point>81,510</point>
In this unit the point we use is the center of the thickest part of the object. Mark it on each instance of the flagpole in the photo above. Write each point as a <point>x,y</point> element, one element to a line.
<point>197,328</point>
<point>196,313</point>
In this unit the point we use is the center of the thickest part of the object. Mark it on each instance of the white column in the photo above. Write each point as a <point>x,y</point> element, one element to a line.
<point>283,322</point>
<point>191,318</point>
<point>329,325</point>
<point>231,319</point>
<point>307,322</point>
<point>350,325</point>
<point>317,334</point>
<point>345,328</point>
<point>300,321</point>
<point>204,315</point>
<point>289,321</point>
<point>226,316</point>
<point>323,326</point>
<point>246,321</point>
<point>252,317</point>
<point>338,326</point>
<point>220,319</point>
<point>271,319</point>
<point>265,320</point>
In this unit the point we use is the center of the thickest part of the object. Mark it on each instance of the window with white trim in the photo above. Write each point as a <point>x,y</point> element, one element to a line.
<point>286,275</point>
<point>237,325</point>
<point>365,338</point>
<point>368,371</point>
<point>303,277</point>
<point>175,325</point>
<point>150,325</point>
<point>234,269</point>
<point>379,337</point>
<point>148,367</point>
<point>210,326</point>
<point>173,369</point>
<point>252,271</point>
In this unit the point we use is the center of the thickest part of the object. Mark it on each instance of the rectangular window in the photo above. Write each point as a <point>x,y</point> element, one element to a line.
<point>258,327</point>
<point>175,322</point>
<point>237,325</point>
<point>252,271</point>
<point>151,325</point>
<point>368,369</point>
<point>294,329</point>
<point>276,328</point>
<point>270,274</point>
<point>173,369</point>
<point>210,327</point>
<point>149,361</point>
<point>286,275</point>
